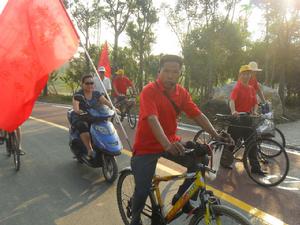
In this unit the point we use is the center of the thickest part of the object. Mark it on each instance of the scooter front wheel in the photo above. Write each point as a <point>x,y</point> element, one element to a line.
<point>109,168</point>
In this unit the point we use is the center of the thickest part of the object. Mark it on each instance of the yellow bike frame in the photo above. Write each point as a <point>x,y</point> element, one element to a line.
<point>194,187</point>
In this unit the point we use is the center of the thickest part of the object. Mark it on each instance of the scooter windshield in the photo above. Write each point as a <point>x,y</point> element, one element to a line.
<point>101,111</point>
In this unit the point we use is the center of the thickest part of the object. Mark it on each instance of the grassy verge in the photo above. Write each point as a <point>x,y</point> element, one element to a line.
<point>61,99</point>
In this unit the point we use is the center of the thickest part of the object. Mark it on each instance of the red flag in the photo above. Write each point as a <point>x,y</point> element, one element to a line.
<point>37,37</point>
<point>104,60</point>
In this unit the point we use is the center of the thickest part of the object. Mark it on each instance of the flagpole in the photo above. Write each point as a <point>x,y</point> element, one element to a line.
<point>96,72</point>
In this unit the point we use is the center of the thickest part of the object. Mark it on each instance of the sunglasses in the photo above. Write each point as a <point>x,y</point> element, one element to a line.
<point>89,83</point>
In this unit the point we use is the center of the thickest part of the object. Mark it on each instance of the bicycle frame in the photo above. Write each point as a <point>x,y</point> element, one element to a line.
<point>194,187</point>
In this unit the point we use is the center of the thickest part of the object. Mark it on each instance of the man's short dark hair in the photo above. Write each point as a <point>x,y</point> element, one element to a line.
<point>170,58</point>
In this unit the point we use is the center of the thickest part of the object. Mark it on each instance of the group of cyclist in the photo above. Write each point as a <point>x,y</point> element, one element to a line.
<point>161,102</point>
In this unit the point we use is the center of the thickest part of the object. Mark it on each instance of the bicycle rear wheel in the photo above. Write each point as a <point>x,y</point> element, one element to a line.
<point>275,167</point>
<point>125,190</point>
<point>279,137</point>
<point>15,150</point>
<point>7,145</point>
<point>221,214</point>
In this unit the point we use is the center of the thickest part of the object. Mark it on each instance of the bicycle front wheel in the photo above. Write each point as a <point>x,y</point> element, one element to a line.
<point>274,165</point>
<point>221,214</point>
<point>202,137</point>
<point>278,136</point>
<point>125,190</point>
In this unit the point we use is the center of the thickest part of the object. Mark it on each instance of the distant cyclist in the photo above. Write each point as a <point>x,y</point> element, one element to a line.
<point>18,132</point>
<point>120,84</point>
<point>243,99</point>
<point>105,80</point>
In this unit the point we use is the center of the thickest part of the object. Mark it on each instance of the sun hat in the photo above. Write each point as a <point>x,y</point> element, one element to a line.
<point>254,67</point>
<point>245,68</point>
<point>101,69</point>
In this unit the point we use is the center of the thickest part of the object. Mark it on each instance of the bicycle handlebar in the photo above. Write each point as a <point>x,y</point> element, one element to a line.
<point>202,150</point>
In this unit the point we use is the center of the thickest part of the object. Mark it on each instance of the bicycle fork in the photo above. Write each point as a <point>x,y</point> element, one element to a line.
<point>209,199</point>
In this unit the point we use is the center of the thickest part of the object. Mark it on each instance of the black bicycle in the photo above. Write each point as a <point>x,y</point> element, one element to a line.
<point>271,156</point>
<point>127,107</point>
<point>13,148</point>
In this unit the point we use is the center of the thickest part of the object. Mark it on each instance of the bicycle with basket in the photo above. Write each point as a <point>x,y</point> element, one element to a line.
<point>271,155</point>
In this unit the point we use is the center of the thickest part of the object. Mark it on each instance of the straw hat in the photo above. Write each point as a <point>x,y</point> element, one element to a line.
<point>245,68</point>
<point>120,72</point>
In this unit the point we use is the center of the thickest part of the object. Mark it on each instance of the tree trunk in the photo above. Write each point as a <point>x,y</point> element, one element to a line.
<point>115,50</point>
<point>267,58</point>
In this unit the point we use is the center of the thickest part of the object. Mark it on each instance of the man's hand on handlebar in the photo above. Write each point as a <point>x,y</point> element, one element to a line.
<point>175,149</point>
<point>235,114</point>
<point>225,137</point>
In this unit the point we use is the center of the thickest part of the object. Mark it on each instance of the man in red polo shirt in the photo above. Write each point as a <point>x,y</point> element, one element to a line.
<point>243,99</point>
<point>160,104</point>
<point>121,83</point>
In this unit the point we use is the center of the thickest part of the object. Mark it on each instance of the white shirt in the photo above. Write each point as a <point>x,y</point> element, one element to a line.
<point>98,86</point>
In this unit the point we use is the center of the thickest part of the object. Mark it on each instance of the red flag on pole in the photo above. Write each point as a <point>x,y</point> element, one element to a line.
<point>37,37</point>
<point>104,60</point>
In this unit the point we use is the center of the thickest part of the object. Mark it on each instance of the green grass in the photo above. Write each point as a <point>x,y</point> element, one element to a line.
<point>62,99</point>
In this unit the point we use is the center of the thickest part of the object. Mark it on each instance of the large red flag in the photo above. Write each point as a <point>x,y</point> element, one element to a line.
<point>104,60</point>
<point>37,37</point>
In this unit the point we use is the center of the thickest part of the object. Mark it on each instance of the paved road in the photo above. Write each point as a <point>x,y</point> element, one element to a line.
<point>51,188</point>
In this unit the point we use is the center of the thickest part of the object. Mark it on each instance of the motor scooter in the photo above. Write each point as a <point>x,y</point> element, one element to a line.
<point>105,141</point>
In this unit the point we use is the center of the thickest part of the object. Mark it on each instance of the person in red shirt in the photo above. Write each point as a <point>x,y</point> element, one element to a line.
<point>243,99</point>
<point>121,83</point>
<point>254,83</point>
<point>160,104</point>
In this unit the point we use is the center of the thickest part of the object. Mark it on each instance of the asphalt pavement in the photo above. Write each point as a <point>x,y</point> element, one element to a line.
<point>52,188</point>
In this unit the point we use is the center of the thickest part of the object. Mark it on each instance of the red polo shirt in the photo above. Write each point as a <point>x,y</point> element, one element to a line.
<point>154,102</point>
<point>121,84</point>
<point>244,97</point>
<point>253,82</point>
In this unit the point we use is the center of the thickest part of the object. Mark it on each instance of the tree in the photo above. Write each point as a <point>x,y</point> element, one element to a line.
<point>188,16</point>
<point>77,68</point>
<point>117,13</point>
<point>87,15</point>
<point>228,43</point>
<point>141,35</point>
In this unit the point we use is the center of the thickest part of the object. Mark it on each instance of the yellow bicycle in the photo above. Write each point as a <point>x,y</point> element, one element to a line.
<point>209,211</point>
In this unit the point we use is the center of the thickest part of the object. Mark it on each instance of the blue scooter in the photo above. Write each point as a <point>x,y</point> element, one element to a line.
<point>105,140</point>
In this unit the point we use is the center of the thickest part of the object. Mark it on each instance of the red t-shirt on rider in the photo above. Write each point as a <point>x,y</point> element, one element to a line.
<point>244,97</point>
<point>121,84</point>
<point>154,102</point>
<point>253,82</point>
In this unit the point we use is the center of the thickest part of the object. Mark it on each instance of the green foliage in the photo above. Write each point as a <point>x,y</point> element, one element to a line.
<point>225,49</point>
<point>77,68</point>
<point>117,13</point>
<point>141,35</point>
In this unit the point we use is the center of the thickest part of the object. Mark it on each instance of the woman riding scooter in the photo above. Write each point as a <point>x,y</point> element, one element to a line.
<point>90,99</point>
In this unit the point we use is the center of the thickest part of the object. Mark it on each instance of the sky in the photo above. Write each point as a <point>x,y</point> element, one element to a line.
<point>166,40</point>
